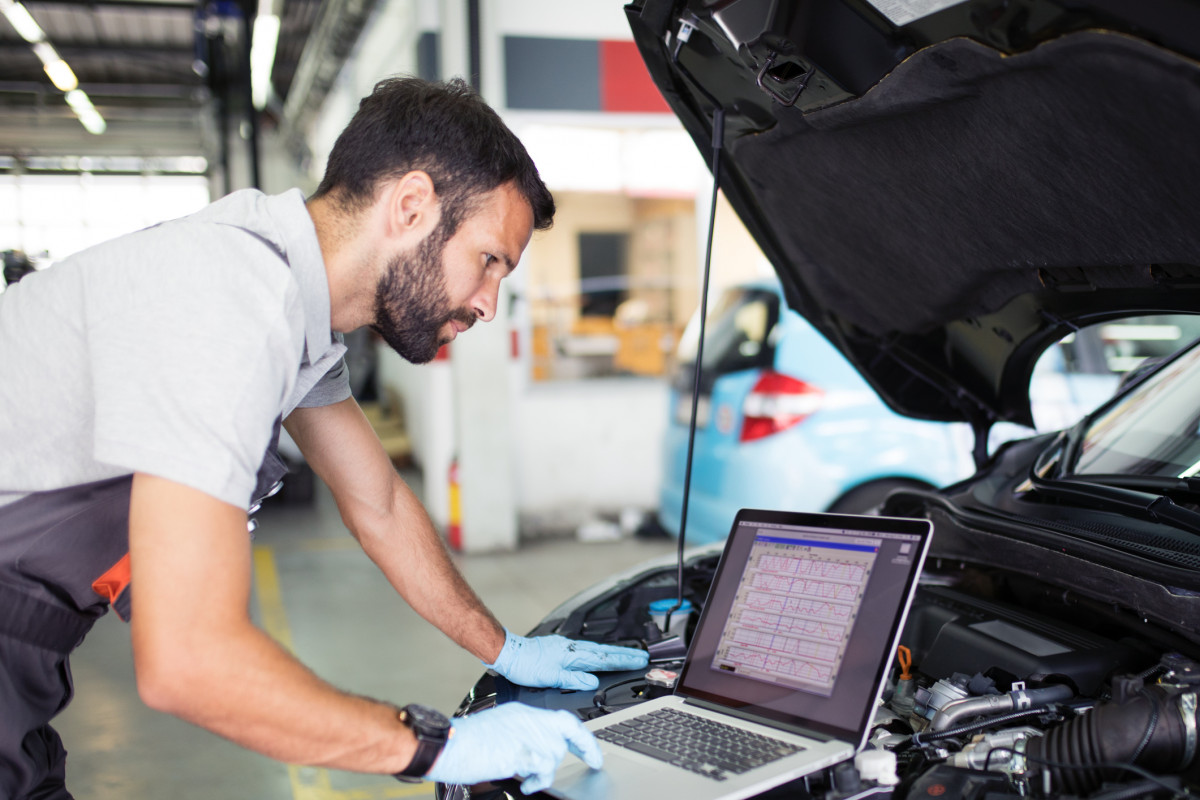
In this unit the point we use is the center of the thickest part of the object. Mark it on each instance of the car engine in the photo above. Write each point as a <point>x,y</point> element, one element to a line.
<point>991,700</point>
<point>995,693</point>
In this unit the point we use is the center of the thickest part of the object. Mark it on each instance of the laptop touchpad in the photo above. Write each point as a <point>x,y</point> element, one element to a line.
<point>578,781</point>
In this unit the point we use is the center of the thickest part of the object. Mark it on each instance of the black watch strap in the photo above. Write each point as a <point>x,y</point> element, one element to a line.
<point>432,729</point>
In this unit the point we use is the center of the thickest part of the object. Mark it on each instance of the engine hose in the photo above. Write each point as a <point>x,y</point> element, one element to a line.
<point>1153,729</point>
<point>993,704</point>
<point>1151,724</point>
<point>925,737</point>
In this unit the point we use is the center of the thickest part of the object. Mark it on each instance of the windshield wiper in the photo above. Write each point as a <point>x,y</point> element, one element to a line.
<point>1161,484</point>
<point>1144,505</point>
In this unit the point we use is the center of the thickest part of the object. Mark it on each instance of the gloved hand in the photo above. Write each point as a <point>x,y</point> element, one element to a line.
<point>560,662</point>
<point>510,740</point>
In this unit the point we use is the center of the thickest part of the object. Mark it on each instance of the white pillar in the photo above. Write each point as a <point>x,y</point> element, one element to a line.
<point>454,40</point>
<point>479,366</point>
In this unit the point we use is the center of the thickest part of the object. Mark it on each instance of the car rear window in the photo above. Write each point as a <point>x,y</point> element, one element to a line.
<point>737,336</point>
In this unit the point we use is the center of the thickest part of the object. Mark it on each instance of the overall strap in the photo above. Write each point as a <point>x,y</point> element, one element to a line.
<point>54,544</point>
<point>41,624</point>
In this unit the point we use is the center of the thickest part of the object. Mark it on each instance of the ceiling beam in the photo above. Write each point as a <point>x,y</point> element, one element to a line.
<point>134,5</point>
<point>67,47</point>
<point>337,29</point>
<point>197,94</point>
<point>53,138</point>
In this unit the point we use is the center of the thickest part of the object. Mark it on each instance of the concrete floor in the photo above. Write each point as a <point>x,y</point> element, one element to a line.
<point>317,591</point>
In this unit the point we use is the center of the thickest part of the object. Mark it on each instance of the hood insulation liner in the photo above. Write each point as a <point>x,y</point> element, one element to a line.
<point>966,180</point>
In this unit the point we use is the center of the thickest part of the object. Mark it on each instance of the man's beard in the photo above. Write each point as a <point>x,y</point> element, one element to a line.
<point>412,304</point>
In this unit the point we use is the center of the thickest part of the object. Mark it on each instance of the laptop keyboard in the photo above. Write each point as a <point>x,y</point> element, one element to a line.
<point>708,748</point>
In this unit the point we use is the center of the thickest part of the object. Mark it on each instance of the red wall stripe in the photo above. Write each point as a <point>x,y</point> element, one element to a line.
<point>625,84</point>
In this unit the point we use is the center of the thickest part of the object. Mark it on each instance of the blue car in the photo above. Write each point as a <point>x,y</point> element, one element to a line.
<point>785,422</point>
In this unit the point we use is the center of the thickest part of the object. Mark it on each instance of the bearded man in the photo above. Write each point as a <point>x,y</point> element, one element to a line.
<point>143,383</point>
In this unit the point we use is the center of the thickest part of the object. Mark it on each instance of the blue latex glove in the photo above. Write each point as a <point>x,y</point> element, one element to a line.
<point>513,740</point>
<point>560,662</point>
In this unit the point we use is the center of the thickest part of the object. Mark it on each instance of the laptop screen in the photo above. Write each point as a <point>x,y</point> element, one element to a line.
<point>803,616</point>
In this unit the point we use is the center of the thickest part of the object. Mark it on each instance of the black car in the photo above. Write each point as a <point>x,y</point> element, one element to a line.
<point>946,189</point>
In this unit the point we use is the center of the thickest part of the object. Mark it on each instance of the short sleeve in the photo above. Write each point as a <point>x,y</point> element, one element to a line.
<point>192,353</point>
<point>333,387</point>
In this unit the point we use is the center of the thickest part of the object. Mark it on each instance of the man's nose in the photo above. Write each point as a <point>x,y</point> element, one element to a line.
<point>485,301</point>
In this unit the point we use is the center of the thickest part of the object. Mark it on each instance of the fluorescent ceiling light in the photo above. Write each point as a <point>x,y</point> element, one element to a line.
<point>46,53</point>
<point>59,72</point>
<point>92,122</point>
<point>19,17</point>
<point>262,57</point>
<point>79,101</point>
<point>62,76</point>
<point>81,104</point>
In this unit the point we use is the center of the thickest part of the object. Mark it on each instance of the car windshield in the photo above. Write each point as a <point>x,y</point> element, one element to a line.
<point>1152,431</point>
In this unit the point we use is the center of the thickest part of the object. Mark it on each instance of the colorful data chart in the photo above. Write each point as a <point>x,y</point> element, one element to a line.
<point>793,612</point>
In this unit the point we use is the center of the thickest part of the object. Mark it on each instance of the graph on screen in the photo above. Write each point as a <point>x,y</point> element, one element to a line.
<point>794,609</point>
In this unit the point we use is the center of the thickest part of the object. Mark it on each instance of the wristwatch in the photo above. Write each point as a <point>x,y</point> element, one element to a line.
<point>432,729</point>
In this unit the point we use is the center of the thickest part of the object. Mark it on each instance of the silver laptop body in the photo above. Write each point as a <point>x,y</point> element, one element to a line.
<point>795,639</point>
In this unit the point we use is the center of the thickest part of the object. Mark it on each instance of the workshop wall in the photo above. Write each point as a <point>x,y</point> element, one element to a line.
<point>536,456</point>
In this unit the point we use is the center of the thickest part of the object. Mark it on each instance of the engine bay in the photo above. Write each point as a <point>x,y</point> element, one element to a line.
<point>1000,689</point>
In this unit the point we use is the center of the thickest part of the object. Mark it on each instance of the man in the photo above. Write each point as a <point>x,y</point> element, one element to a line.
<point>141,383</point>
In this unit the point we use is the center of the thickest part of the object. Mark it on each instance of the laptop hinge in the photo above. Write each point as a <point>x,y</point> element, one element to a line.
<point>759,719</point>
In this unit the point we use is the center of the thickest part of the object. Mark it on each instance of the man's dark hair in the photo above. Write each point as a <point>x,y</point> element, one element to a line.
<point>442,128</point>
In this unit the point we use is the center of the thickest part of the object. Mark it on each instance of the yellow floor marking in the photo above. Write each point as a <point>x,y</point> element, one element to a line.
<point>270,599</point>
<point>312,783</point>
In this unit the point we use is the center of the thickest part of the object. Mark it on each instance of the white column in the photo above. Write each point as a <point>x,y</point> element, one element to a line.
<point>483,408</point>
<point>454,42</point>
<point>479,368</point>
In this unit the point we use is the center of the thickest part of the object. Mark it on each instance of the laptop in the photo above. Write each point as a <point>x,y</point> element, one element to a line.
<point>794,641</point>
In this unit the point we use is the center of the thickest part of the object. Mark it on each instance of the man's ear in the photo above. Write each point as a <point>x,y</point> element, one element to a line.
<point>412,205</point>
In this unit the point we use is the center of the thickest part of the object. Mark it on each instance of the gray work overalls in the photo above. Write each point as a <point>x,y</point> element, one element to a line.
<point>64,559</point>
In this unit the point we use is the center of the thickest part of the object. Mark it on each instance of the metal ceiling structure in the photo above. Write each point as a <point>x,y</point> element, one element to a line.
<point>169,77</point>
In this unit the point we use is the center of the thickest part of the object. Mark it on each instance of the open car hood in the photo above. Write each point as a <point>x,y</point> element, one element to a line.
<point>944,197</point>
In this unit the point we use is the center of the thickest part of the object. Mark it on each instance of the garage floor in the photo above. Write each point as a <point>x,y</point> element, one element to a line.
<point>316,591</point>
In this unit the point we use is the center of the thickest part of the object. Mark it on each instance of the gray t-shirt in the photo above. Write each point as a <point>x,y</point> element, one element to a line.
<point>169,351</point>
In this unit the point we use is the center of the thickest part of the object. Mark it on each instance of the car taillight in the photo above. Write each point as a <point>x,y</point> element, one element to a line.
<point>776,403</point>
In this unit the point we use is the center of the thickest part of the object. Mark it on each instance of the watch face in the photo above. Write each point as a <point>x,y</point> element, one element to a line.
<point>424,718</point>
<point>431,729</point>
